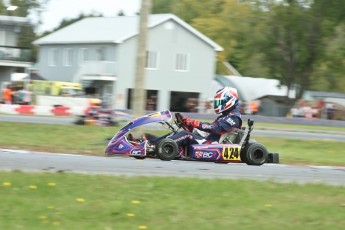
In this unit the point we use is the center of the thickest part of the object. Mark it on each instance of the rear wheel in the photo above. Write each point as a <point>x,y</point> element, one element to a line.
<point>167,149</point>
<point>255,154</point>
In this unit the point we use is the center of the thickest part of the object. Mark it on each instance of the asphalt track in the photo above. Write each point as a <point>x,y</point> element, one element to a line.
<point>46,162</point>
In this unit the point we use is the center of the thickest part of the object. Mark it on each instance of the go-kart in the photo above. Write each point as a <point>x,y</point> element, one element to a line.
<point>235,146</point>
<point>102,117</point>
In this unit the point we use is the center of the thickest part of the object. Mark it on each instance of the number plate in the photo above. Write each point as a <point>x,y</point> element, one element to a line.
<point>231,153</point>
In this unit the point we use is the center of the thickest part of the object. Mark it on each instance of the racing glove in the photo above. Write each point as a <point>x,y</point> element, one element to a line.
<point>191,122</point>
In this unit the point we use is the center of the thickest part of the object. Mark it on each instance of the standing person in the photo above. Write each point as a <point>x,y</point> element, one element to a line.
<point>20,96</point>
<point>7,95</point>
<point>27,97</point>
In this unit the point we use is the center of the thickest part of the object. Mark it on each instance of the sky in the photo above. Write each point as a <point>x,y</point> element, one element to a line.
<point>57,10</point>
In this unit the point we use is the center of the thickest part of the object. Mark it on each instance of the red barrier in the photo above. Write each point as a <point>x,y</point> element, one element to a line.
<point>25,109</point>
<point>61,111</point>
<point>42,110</point>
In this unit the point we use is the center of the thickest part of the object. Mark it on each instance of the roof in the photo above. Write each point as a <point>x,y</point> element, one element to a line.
<point>36,76</point>
<point>13,20</point>
<point>311,95</point>
<point>112,30</point>
<point>250,88</point>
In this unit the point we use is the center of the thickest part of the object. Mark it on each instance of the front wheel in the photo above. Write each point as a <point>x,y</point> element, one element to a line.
<point>167,149</point>
<point>255,154</point>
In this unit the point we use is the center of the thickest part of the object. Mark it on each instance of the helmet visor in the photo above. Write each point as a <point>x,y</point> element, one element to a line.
<point>218,102</point>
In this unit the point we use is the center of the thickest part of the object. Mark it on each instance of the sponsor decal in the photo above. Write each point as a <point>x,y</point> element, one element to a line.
<point>184,137</point>
<point>205,155</point>
<point>136,152</point>
<point>206,126</point>
<point>154,114</point>
<point>230,121</point>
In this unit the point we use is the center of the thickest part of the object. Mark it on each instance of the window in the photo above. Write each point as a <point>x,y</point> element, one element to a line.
<point>2,38</point>
<point>151,60</point>
<point>83,55</point>
<point>102,53</point>
<point>52,57</point>
<point>181,62</point>
<point>68,57</point>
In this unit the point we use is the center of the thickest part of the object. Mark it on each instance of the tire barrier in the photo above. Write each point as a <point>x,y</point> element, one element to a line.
<point>42,110</point>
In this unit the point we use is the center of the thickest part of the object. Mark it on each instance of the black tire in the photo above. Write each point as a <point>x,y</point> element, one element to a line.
<point>243,156</point>
<point>255,154</point>
<point>243,152</point>
<point>273,158</point>
<point>112,123</point>
<point>140,157</point>
<point>80,121</point>
<point>167,149</point>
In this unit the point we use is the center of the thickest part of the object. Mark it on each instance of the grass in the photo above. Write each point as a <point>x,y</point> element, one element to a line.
<point>91,140</point>
<point>295,127</point>
<point>306,152</point>
<point>71,201</point>
<point>55,138</point>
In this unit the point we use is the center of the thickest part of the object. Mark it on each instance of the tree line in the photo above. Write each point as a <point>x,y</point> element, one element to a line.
<point>299,42</point>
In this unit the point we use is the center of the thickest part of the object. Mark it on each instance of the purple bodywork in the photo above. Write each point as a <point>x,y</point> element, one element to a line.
<point>119,145</point>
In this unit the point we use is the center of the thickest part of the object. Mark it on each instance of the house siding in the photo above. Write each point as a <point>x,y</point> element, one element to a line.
<point>60,72</point>
<point>8,36</point>
<point>9,50</point>
<point>165,79</point>
<point>167,39</point>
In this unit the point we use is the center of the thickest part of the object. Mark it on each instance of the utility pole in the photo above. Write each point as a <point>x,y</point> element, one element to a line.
<point>138,100</point>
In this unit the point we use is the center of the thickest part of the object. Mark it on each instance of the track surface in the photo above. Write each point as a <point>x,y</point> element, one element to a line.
<point>47,162</point>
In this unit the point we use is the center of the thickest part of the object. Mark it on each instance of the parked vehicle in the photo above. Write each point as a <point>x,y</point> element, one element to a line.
<point>50,88</point>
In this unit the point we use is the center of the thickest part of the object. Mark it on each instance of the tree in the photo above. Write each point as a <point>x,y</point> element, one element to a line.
<point>329,73</point>
<point>294,41</point>
<point>291,43</point>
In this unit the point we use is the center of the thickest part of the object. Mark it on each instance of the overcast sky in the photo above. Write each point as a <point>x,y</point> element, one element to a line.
<point>57,10</point>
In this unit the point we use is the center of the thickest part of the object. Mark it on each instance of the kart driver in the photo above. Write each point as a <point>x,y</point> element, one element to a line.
<point>225,103</point>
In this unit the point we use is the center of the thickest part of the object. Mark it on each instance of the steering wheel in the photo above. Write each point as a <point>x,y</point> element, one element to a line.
<point>178,120</point>
<point>180,124</point>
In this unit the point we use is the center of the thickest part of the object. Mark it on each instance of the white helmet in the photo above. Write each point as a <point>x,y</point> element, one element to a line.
<point>225,99</point>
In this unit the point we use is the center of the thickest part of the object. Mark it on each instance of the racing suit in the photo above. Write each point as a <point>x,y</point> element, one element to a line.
<point>222,124</point>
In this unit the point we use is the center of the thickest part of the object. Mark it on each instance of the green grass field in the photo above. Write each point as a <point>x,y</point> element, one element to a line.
<point>72,201</point>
